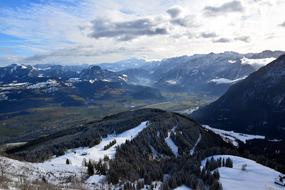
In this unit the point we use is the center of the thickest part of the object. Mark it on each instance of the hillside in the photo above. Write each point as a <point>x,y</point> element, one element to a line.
<point>148,144</point>
<point>254,105</point>
<point>147,138</point>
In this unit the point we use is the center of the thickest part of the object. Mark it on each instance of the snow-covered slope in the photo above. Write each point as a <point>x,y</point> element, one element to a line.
<point>171,144</point>
<point>226,81</point>
<point>192,151</point>
<point>261,62</point>
<point>182,187</point>
<point>97,152</point>
<point>233,137</point>
<point>56,171</point>
<point>255,176</point>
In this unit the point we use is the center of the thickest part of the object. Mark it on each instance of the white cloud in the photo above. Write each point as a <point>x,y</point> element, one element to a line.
<point>64,33</point>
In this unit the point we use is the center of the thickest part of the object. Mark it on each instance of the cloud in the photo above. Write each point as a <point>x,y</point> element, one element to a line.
<point>174,12</point>
<point>233,6</point>
<point>245,39</point>
<point>127,30</point>
<point>208,35</point>
<point>187,21</point>
<point>88,54</point>
<point>282,24</point>
<point>221,40</point>
<point>163,28</point>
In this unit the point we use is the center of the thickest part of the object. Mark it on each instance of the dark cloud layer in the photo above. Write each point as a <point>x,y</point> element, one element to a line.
<point>174,12</point>
<point>128,30</point>
<point>233,6</point>
<point>208,35</point>
<point>187,21</point>
<point>221,40</point>
<point>282,24</point>
<point>243,39</point>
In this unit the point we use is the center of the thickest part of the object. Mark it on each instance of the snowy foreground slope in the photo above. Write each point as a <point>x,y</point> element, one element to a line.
<point>57,172</point>
<point>254,177</point>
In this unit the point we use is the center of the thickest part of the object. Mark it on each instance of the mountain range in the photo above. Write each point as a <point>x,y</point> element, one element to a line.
<point>253,105</point>
<point>239,134</point>
<point>24,87</point>
<point>201,74</point>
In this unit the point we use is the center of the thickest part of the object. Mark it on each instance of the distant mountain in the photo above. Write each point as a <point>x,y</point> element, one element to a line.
<point>255,104</point>
<point>27,73</point>
<point>23,87</point>
<point>127,64</point>
<point>210,74</point>
<point>18,73</point>
<point>95,73</point>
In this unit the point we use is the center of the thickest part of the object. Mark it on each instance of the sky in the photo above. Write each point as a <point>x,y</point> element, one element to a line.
<point>96,31</point>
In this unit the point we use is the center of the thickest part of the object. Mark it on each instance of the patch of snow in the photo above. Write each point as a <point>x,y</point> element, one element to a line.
<point>33,171</point>
<point>92,81</point>
<point>106,80</point>
<point>44,69</point>
<point>232,61</point>
<point>95,179</point>
<point>3,96</point>
<point>23,67</point>
<point>232,137</point>
<point>255,176</point>
<point>189,110</point>
<point>171,144</point>
<point>192,151</point>
<point>97,152</point>
<point>172,82</point>
<point>49,83</point>
<point>262,62</point>
<point>226,81</point>
<point>18,84</point>
<point>123,78</point>
<point>13,86</point>
<point>275,140</point>
<point>73,80</point>
<point>182,187</point>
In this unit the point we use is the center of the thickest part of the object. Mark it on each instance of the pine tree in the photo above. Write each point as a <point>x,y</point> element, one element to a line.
<point>90,168</point>
<point>229,163</point>
<point>68,161</point>
<point>216,174</point>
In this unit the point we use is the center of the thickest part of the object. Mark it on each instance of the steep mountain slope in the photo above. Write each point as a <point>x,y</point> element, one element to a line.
<point>255,105</point>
